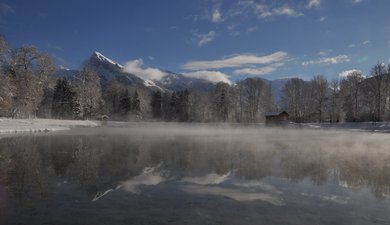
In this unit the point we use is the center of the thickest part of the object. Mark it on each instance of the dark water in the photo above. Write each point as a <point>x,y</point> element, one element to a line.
<point>195,175</point>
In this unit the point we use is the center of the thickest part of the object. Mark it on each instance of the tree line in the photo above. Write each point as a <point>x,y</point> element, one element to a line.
<point>247,101</point>
<point>353,98</point>
<point>30,88</point>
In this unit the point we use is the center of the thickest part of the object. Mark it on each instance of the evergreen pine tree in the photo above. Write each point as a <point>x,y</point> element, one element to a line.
<point>125,103</point>
<point>112,96</point>
<point>165,105</point>
<point>136,105</point>
<point>156,104</point>
<point>183,105</point>
<point>77,109</point>
<point>63,99</point>
<point>173,107</point>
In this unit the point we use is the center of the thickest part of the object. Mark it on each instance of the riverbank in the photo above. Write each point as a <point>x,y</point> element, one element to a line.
<point>383,127</point>
<point>12,126</point>
<point>8,125</point>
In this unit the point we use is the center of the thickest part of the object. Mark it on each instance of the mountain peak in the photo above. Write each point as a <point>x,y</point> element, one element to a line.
<point>103,58</point>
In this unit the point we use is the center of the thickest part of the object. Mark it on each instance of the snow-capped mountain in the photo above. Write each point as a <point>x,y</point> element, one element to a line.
<point>108,69</point>
<point>102,58</point>
<point>174,81</point>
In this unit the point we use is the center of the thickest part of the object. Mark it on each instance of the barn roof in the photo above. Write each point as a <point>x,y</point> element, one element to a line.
<point>275,113</point>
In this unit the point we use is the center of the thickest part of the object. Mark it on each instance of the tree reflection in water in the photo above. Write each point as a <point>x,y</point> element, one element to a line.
<point>33,167</point>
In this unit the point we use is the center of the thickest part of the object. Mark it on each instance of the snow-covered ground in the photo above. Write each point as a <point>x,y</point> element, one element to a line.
<point>353,126</point>
<point>8,125</point>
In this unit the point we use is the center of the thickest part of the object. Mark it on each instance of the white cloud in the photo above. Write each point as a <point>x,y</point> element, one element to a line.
<point>357,1</point>
<point>206,38</point>
<point>135,67</point>
<point>348,72</point>
<point>251,29</point>
<point>213,76</point>
<point>258,71</point>
<point>231,27</point>
<point>366,42</point>
<point>286,11</point>
<point>313,4</point>
<point>236,61</point>
<point>232,30</point>
<point>264,11</point>
<point>325,52</point>
<point>321,19</point>
<point>216,17</point>
<point>328,60</point>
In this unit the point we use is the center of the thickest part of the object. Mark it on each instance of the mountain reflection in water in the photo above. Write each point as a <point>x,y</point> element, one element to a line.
<point>195,175</point>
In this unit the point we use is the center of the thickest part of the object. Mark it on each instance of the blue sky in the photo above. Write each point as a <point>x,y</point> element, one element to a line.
<point>215,39</point>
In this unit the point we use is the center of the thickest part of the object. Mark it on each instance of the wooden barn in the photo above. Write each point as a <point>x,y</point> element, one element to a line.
<point>276,117</point>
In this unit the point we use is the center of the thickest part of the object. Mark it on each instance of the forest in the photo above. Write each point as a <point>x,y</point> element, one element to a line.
<point>29,87</point>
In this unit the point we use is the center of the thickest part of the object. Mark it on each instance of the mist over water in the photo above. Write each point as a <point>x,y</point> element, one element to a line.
<point>148,173</point>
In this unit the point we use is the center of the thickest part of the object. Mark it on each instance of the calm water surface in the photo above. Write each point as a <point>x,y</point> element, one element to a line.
<point>192,174</point>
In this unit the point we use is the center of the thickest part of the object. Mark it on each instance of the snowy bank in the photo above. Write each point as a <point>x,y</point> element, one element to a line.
<point>8,125</point>
<point>382,127</point>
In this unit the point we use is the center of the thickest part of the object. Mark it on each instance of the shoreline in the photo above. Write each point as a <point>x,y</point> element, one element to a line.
<point>16,126</point>
<point>9,126</point>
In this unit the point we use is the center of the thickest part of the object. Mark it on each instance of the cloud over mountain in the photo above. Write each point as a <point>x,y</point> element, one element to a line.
<point>236,61</point>
<point>213,76</point>
<point>135,67</point>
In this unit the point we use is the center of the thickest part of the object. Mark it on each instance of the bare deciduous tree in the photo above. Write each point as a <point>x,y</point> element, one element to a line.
<point>221,100</point>
<point>7,90</point>
<point>294,98</point>
<point>319,91</point>
<point>254,98</point>
<point>376,89</point>
<point>334,103</point>
<point>350,88</point>
<point>29,72</point>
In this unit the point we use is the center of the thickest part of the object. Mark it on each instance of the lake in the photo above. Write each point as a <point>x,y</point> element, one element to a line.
<point>156,173</point>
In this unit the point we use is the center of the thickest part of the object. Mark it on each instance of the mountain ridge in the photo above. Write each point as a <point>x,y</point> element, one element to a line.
<point>108,69</point>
